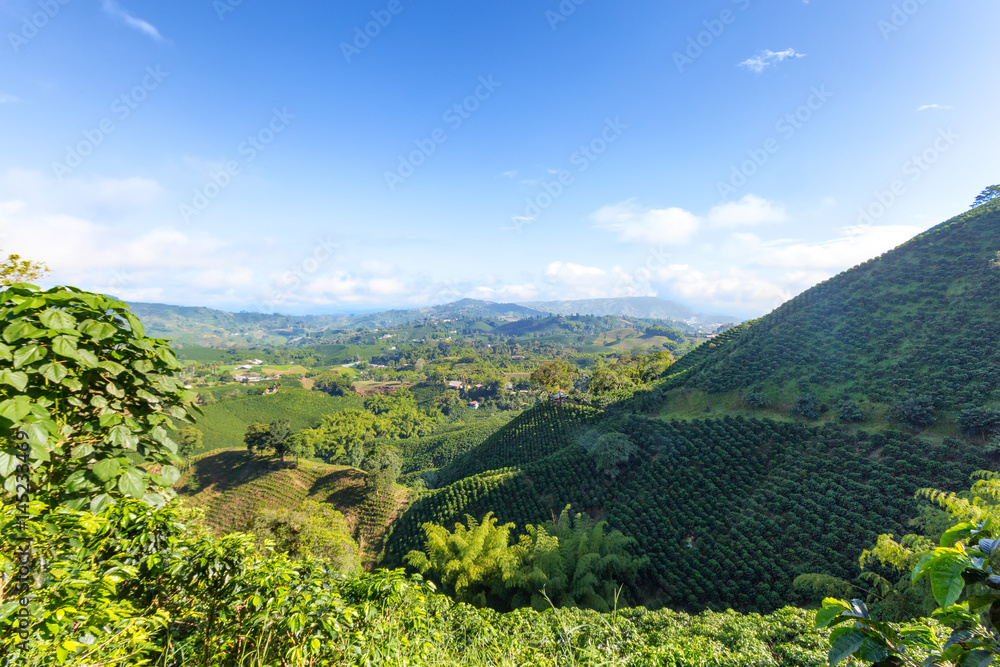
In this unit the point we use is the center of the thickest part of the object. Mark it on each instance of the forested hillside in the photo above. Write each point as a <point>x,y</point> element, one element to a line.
<point>920,319</point>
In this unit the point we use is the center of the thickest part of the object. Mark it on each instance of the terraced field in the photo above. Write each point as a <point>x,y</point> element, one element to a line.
<point>233,487</point>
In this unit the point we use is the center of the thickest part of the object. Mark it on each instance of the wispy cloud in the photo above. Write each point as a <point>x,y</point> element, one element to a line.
<point>933,106</point>
<point>112,8</point>
<point>767,57</point>
<point>9,99</point>
<point>747,212</point>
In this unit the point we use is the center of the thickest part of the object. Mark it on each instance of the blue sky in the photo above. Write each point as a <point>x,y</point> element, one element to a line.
<point>341,157</point>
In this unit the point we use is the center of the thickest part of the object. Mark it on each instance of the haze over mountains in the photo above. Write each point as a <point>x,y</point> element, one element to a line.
<point>167,320</point>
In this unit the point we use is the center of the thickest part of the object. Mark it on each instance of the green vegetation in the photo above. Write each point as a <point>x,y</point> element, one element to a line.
<point>768,500</point>
<point>780,462</point>
<point>311,529</point>
<point>233,489</point>
<point>190,598</point>
<point>344,437</point>
<point>225,421</point>
<point>568,562</point>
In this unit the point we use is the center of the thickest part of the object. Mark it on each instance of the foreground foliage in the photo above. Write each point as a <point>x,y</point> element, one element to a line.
<point>93,395</point>
<point>965,628</point>
<point>138,585</point>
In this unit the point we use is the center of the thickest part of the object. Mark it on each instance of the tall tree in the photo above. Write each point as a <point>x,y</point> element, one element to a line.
<point>553,376</point>
<point>989,194</point>
<point>256,437</point>
<point>189,440</point>
<point>279,434</point>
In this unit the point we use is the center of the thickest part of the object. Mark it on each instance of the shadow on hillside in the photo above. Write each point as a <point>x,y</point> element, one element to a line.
<point>341,488</point>
<point>227,469</point>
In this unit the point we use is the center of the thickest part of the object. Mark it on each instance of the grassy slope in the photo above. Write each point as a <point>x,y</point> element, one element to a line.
<point>233,488</point>
<point>225,422</point>
<point>919,319</point>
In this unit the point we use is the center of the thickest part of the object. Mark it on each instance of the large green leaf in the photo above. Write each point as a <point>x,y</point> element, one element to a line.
<point>78,482</point>
<point>831,609</point>
<point>16,379</point>
<point>122,437</point>
<point>53,372</point>
<point>97,330</point>
<point>8,462</point>
<point>957,532</point>
<point>136,325</point>
<point>5,353</point>
<point>36,433</point>
<point>107,469</point>
<point>132,483</point>
<point>20,330</point>
<point>945,573</point>
<point>56,319</point>
<point>65,346</point>
<point>87,358</point>
<point>28,354</point>
<point>845,641</point>
<point>15,410</point>
<point>168,475</point>
<point>100,502</point>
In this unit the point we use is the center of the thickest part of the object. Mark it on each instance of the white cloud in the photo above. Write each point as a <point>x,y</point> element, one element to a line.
<point>934,106</point>
<point>732,289</point>
<point>9,99</point>
<point>749,211</point>
<point>853,246</point>
<point>567,280</point>
<point>767,57</point>
<point>112,8</point>
<point>509,174</point>
<point>505,293</point>
<point>635,224</point>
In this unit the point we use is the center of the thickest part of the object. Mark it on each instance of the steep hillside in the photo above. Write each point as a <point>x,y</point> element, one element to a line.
<point>233,487</point>
<point>920,319</point>
<point>729,511</point>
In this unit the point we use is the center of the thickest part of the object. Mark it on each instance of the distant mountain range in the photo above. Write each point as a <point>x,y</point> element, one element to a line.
<point>204,325</point>
<point>646,307</point>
